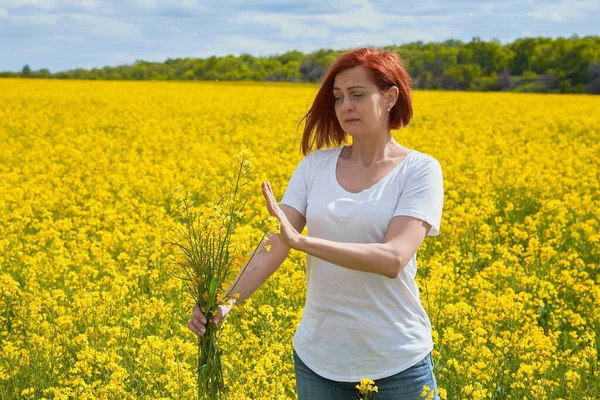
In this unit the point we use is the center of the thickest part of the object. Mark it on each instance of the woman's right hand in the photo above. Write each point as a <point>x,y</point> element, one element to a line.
<point>197,323</point>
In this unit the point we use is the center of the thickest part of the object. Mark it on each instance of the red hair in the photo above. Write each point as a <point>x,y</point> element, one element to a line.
<point>386,69</point>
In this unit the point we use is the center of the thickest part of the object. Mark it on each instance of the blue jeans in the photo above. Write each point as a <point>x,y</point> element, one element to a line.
<point>405,385</point>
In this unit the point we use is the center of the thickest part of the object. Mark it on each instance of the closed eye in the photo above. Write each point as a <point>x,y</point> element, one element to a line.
<point>355,96</point>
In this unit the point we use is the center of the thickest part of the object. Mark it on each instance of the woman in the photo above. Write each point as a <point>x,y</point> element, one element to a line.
<point>368,208</point>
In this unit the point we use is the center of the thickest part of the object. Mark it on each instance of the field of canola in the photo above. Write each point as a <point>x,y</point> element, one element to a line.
<point>88,305</point>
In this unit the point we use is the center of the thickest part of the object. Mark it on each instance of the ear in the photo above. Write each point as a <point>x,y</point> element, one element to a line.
<point>391,96</point>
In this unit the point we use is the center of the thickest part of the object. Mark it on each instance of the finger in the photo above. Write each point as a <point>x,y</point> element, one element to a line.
<point>270,192</point>
<point>264,190</point>
<point>197,321</point>
<point>198,314</point>
<point>274,203</point>
<point>266,196</point>
<point>219,317</point>
<point>196,327</point>
<point>269,201</point>
<point>270,198</point>
<point>267,192</point>
<point>199,326</point>
<point>222,313</point>
<point>192,327</point>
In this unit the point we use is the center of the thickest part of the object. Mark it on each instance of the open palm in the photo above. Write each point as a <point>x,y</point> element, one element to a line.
<point>288,235</point>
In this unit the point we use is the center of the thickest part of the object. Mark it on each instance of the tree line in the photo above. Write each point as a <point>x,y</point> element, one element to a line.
<point>561,65</point>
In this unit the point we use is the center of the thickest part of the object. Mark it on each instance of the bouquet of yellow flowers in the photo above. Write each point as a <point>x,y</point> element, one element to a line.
<point>206,265</point>
<point>365,387</point>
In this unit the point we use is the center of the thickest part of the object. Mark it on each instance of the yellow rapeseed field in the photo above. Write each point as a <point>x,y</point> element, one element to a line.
<point>89,307</point>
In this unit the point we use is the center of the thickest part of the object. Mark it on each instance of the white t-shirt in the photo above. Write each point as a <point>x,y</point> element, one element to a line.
<point>358,324</point>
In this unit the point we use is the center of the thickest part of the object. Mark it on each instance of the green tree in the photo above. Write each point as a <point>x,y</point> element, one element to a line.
<point>540,64</point>
<point>593,87</point>
<point>26,71</point>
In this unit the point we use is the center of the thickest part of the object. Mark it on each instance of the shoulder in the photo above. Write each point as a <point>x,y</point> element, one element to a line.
<point>423,166</point>
<point>423,158</point>
<point>323,153</point>
<point>420,160</point>
<point>319,157</point>
<point>310,164</point>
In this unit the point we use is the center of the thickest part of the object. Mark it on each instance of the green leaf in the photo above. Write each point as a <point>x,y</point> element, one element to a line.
<point>213,286</point>
<point>211,293</point>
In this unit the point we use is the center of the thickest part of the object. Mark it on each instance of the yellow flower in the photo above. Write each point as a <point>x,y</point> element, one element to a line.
<point>366,386</point>
<point>244,154</point>
<point>443,394</point>
<point>531,264</point>
<point>243,157</point>
<point>273,224</point>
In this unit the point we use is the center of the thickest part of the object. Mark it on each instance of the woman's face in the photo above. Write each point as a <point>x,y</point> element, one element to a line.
<point>360,107</point>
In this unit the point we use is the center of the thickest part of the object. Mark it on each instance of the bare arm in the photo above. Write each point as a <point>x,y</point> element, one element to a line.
<point>258,270</point>
<point>265,263</point>
<point>403,238</point>
<point>378,258</point>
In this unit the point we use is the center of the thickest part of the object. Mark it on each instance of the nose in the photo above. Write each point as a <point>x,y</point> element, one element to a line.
<point>347,103</point>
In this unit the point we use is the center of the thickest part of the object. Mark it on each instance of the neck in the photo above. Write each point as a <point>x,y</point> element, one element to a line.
<point>374,148</point>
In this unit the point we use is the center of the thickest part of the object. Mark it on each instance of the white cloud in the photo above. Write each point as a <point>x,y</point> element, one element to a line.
<point>67,38</point>
<point>364,18</point>
<point>297,30</point>
<point>43,4</point>
<point>291,27</point>
<point>122,58</point>
<point>487,8</point>
<point>392,36</point>
<point>170,4</point>
<point>147,3</point>
<point>87,4</point>
<point>50,5</point>
<point>104,26</point>
<point>64,34</point>
<point>220,46</point>
<point>36,19</point>
<point>368,17</point>
<point>564,10</point>
<point>238,44</point>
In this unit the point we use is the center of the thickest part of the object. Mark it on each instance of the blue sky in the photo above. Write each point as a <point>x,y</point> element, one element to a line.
<point>68,34</point>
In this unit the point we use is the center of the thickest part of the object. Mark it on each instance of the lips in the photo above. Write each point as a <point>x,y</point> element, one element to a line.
<point>351,119</point>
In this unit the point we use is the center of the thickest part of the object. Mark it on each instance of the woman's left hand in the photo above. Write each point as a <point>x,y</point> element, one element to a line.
<point>288,234</point>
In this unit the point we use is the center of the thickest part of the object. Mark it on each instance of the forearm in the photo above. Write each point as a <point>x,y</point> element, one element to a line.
<point>378,258</point>
<point>253,274</point>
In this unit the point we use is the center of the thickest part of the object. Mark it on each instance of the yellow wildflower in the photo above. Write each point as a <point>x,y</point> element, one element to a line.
<point>273,224</point>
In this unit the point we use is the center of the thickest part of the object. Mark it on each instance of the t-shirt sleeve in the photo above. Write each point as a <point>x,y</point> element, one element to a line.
<point>423,196</point>
<point>296,192</point>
